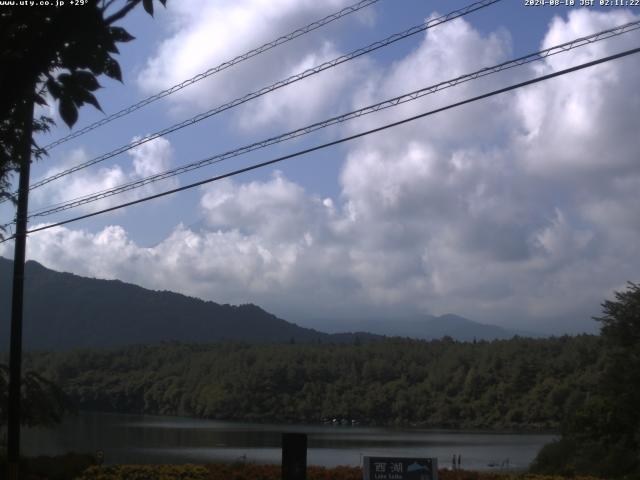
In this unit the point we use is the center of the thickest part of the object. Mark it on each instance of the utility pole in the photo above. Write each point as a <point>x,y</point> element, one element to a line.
<point>15,352</point>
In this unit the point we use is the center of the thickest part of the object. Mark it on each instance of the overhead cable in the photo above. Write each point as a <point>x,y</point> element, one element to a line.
<point>263,91</point>
<point>407,97</point>
<point>339,141</point>
<point>223,66</point>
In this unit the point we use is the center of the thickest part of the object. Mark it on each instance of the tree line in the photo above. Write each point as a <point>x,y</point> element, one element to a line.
<point>602,435</point>
<point>520,383</point>
<point>587,387</point>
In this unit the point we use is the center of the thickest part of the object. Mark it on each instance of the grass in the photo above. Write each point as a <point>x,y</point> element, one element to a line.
<point>249,471</point>
<point>83,467</point>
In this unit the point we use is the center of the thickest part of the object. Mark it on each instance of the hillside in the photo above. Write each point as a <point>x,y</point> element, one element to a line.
<point>520,383</point>
<point>65,311</point>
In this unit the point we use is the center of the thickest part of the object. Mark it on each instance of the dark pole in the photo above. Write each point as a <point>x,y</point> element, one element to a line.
<point>15,352</point>
<point>294,456</point>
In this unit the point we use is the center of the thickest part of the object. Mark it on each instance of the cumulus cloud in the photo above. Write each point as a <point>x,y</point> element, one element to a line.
<point>445,52</point>
<point>239,257</point>
<point>147,159</point>
<point>520,211</point>
<point>581,123</point>
<point>205,34</point>
<point>511,192</point>
<point>308,100</point>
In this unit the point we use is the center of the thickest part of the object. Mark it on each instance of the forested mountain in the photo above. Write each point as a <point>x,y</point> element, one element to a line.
<point>518,383</point>
<point>65,311</point>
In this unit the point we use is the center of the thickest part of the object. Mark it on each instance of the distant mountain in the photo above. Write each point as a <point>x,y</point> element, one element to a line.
<point>430,327</point>
<point>462,328</point>
<point>64,311</point>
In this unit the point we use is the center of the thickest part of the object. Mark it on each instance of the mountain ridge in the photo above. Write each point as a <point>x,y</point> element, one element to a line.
<point>431,327</point>
<point>65,310</point>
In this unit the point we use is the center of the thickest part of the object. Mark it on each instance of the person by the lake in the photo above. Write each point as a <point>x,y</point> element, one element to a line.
<point>453,462</point>
<point>459,460</point>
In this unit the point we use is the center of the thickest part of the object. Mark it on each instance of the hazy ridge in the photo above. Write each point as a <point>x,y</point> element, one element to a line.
<point>63,311</point>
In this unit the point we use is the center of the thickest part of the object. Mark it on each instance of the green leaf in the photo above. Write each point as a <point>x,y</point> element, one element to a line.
<point>112,69</point>
<point>65,79</point>
<point>148,6</point>
<point>54,88</point>
<point>119,34</point>
<point>106,41</point>
<point>97,62</point>
<point>86,80</point>
<point>111,47</point>
<point>39,100</point>
<point>68,111</point>
<point>88,97</point>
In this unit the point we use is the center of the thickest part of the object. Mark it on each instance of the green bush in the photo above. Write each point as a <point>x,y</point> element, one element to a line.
<point>62,467</point>
<point>146,472</point>
<point>571,456</point>
<point>251,471</point>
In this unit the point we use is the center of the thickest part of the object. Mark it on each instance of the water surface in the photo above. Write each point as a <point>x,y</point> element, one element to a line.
<point>156,439</point>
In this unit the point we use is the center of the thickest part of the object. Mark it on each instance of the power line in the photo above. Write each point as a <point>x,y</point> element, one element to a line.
<point>282,83</point>
<point>223,66</point>
<point>540,55</point>
<point>342,140</point>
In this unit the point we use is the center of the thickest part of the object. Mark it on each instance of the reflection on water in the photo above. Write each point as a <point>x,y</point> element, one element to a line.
<point>154,439</point>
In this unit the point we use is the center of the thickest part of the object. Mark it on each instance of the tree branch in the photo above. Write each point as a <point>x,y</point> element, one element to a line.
<point>122,12</point>
<point>106,5</point>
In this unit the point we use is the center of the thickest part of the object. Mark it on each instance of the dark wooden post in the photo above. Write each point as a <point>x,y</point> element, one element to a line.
<point>15,349</point>
<point>294,456</point>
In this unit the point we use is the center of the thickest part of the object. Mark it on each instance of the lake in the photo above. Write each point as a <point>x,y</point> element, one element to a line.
<point>158,439</point>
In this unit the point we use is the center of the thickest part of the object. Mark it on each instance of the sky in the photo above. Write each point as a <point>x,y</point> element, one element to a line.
<point>520,210</point>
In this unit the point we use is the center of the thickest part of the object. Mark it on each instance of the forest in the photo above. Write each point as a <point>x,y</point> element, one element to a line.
<point>586,387</point>
<point>525,384</point>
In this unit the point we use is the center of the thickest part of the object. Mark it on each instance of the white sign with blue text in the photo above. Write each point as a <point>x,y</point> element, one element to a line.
<point>399,468</point>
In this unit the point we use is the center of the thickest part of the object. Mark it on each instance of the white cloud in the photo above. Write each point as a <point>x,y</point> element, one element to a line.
<point>277,209</point>
<point>152,157</point>
<point>205,34</point>
<point>582,123</point>
<point>456,191</point>
<point>147,159</point>
<point>308,100</point>
<point>447,51</point>
<point>77,185</point>
<point>512,211</point>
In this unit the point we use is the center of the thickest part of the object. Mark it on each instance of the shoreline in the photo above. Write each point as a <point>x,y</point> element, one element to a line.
<point>338,425</point>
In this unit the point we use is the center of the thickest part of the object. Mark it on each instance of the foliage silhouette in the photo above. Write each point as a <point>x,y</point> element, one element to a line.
<point>602,437</point>
<point>507,384</point>
<point>43,402</point>
<point>62,51</point>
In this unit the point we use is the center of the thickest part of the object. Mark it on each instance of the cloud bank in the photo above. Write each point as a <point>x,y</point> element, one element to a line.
<point>519,211</point>
<point>204,34</point>
<point>148,159</point>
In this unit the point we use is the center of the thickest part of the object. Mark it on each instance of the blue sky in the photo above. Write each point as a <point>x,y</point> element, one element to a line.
<point>519,211</point>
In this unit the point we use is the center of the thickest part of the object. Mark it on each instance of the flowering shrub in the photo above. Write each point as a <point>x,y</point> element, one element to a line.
<point>146,472</point>
<point>250,471</point>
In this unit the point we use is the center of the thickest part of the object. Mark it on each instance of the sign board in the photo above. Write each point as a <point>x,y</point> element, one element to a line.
<point>400,468</point>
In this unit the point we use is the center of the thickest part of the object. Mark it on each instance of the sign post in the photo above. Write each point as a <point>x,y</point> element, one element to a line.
<point>294,456</point>
<point>400,468</point>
